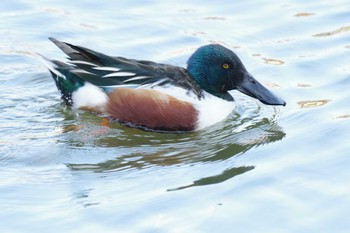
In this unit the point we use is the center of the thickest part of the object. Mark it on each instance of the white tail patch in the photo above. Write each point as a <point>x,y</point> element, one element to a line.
<point>90,96</point>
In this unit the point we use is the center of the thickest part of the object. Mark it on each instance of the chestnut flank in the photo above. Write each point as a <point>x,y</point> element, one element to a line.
<point>151,109</point>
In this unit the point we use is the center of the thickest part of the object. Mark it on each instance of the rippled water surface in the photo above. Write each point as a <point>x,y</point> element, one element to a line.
<point>263,169</point>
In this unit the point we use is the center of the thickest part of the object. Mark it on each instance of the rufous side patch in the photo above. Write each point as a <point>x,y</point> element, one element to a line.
<point>151,109</point>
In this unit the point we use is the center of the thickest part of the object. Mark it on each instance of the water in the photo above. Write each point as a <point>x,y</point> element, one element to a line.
<point>264,169</point>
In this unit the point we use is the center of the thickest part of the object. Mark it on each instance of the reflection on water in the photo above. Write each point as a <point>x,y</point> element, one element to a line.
<point>334,32</point>
<point>293,160</point>
<point>225,175</point>
<point>219,143</point>
<point>343,116</point>
<point>271,61</point>
<point>303,85</point>
<point>304,14</point>
<point>312,103</point>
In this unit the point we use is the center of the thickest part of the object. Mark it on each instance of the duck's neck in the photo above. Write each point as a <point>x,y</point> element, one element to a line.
<point>199,76</point>
<point>201,85</point>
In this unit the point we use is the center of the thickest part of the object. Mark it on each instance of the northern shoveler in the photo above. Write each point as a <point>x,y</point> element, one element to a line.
<point>153,95</point>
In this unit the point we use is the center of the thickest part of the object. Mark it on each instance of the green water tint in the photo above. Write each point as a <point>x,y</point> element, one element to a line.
<point>207,146</point>
<point>262,169</point>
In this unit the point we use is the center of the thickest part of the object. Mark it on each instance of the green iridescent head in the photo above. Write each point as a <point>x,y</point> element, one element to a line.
<point>218,70</point>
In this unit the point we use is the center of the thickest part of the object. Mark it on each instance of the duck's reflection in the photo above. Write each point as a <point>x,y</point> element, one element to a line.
<point>137,149</point>
<point>225,175</point>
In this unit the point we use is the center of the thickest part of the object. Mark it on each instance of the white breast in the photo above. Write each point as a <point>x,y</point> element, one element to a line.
<point>211,109</point>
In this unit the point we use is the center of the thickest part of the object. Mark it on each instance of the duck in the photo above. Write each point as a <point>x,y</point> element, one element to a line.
<point>156,96</point>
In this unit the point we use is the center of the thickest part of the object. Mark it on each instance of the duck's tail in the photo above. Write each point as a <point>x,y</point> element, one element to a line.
<point>66,81</point>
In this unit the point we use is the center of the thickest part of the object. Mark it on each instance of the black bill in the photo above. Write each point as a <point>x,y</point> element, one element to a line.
<point>251,87</point>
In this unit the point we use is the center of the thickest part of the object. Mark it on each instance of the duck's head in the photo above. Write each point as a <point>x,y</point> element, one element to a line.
<point>218,70</point>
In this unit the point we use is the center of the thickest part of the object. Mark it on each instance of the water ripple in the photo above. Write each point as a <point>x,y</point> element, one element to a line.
<point>248,127</point>
<point>69,171</point>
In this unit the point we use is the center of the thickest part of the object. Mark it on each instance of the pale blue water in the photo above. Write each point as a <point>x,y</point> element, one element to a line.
<point>264,169</point>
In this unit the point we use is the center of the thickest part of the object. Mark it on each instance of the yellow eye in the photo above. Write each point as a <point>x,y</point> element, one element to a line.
<point>226,66</point>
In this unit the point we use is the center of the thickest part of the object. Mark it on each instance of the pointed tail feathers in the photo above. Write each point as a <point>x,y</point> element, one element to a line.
<point>66,81</point>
